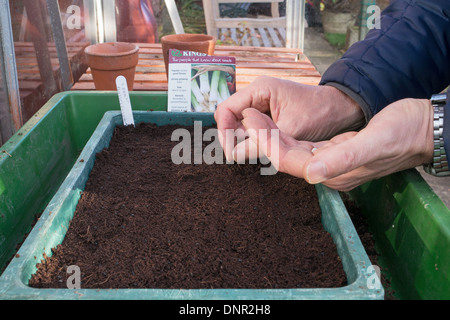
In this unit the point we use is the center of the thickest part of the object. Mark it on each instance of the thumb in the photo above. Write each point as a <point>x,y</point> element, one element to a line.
<point>339,158</point>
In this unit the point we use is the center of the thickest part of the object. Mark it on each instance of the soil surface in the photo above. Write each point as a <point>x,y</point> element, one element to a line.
<point>144,222</point>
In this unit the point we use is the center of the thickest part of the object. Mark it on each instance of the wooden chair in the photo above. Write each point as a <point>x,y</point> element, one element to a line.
<point>264,31</point>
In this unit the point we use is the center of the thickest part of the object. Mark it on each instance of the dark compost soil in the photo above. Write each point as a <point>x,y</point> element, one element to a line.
<point>144,222</point>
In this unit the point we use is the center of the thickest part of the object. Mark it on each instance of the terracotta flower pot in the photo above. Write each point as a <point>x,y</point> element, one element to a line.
<point>187,42</point>
<point>110,60</point>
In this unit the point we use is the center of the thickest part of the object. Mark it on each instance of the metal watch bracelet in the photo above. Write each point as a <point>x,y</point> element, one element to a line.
<point>439,166</point>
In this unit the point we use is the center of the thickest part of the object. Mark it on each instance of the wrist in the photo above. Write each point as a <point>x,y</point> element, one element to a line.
<point>345,113</point>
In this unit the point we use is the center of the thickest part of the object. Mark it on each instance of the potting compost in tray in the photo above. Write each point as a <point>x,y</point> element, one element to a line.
<point>145,222</point>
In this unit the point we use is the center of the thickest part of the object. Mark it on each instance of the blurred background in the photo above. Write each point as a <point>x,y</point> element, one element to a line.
<point>43,40</point>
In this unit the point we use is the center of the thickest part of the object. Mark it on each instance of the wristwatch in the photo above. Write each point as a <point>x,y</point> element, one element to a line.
<point>439,166</point>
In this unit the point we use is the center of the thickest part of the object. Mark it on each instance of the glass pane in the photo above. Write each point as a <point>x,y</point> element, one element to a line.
<point>191,14</point>
<point>39,70</point>
<point>33,55</point>
<point>72,17</point>
<point>249,10</point>
<point>136,21</point>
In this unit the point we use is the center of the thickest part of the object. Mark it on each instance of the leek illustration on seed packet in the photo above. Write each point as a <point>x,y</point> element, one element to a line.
<point>198,82</point>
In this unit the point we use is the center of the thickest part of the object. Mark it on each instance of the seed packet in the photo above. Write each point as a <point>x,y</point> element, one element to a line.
<point>199,82</point>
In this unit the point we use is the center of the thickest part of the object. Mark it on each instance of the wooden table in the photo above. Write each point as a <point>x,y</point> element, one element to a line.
<point>251,62</point>
<point>33,93</point>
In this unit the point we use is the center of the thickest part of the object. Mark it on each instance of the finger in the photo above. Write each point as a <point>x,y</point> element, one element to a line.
<point>229,113</point>
<point>357,177</point>
<point>265,121</point>
<point>286,154</point>
<point>245,150</point>
<point>256,95</point>
<point>338,158</point>
<point>343,137</point>
<point>227,136</point>
<point>321,146</point>
<point>230,137</point>
<point>345,182</point>
<point>318,146</point>
<point>260,128</point>
<point>248,149</point>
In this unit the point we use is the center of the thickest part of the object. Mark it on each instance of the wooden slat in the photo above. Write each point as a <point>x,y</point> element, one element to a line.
<point>254,23</point>
<point>30,83</point>
<point>246,37</point>
<point>153,51</point>
<point>282,32</point>
<point>251,62</point>
<point>266,38</point>
<point>255,38</point>
<point>220,26</point>
<point>274,36</point>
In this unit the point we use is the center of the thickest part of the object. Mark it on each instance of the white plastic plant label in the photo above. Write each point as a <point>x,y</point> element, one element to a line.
<point>125,102</point>
<point>198,82</point>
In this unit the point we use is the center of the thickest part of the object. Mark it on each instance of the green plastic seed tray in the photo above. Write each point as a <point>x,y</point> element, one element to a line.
<point>51,228</point>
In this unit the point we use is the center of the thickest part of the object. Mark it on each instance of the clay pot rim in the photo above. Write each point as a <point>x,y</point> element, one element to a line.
<point>175,38</point>
<point>133,49</point>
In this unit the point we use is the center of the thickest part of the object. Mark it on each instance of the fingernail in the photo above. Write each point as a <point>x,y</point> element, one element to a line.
<point>316,172</point>
<point>227,158</point>
<point>244,123</point>
<point>233,154</point>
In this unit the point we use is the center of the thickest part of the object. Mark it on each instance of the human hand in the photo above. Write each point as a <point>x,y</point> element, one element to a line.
<point>397,138</point>
<point>304,112</point>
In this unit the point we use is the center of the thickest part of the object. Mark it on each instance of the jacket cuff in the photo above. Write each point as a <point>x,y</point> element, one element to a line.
<point>356,97</point>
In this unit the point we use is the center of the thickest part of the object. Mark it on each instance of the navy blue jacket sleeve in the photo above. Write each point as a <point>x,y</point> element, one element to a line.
<point>408,57</point>
<point>446,131</point>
